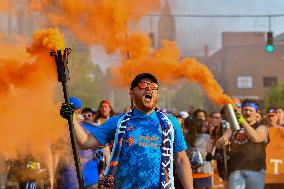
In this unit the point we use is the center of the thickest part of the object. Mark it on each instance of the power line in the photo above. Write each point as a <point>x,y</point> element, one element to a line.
<point>219,15</point>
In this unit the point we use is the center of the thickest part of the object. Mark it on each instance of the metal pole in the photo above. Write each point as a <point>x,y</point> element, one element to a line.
<point>73,141</point>
<point>269,22</point>
<point>62,71</point>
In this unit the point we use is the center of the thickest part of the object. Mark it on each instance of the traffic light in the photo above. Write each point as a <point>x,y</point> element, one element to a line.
<point>269,42</point>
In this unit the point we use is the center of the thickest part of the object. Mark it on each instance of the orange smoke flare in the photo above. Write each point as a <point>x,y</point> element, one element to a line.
<point>30,121</point>
<point>165,63</point>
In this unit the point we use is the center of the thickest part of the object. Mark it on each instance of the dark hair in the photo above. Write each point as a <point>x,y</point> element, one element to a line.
<point>87,109</point>
<point>197,111</point>
<point>214,112</point>
<point>98,113</point>
<point>197,127</point>
<point>188,122</point>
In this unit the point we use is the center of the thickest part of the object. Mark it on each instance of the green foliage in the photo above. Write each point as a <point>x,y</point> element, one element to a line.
<point>85,78</point>
<point>274,96</point>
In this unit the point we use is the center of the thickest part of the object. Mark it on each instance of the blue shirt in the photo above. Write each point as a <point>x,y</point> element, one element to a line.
<point>88,163</point>
<point>140,157</point>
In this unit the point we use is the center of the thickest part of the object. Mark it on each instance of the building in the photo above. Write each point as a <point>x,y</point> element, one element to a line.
<point>167,25</point>
<point>242,66</point>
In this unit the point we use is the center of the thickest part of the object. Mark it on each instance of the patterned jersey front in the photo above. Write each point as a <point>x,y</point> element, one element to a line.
<point>140,157</point>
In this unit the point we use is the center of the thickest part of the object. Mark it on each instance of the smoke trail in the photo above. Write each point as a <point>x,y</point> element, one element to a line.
<point>106,22</point>
<point>169,68</point>
<point>103,22</point>
<point>30,121</point>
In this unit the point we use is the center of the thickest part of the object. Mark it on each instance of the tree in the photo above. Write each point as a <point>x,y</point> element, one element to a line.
<point>274,96</point>
<point>85,78</point>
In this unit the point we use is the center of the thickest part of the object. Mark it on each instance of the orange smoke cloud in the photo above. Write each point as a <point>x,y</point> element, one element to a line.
<point>106,22</point>
<point>30,121</point>
<point>165,63</point>
<point>5,5</point>
<point>102,22</point>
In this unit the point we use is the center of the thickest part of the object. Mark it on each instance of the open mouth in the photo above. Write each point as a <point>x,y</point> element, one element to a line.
<point>148,97</point>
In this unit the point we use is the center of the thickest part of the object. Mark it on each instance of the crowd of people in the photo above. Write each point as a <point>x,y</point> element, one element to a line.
<point>148,147</point>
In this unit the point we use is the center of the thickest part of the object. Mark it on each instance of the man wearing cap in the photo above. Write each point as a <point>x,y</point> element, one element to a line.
<point>247,150</point>
<point>146,142</point>
<point>272,118</point>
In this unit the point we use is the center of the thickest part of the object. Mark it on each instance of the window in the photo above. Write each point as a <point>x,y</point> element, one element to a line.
<point>244,82</point>
<point>269,81</point>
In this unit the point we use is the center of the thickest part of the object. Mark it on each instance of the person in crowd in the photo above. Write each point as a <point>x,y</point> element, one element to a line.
<point>247,162</point>
<point>181,116</point>
<point>89,161</point>
<point>258,117</point>
<point>88,115</point>
<point>104,112</point>
<point>180,121</point>
<point>220,125</point>
<point>215,120</point>
<point>280,114</point>
<point>272,118</point>
<point>201,114</point>
<point>238,104</point>
<point>197,141</point>
<point>146,141</point>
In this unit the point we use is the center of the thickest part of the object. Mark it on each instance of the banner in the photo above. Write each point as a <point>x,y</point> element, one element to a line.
<point>275,156</point>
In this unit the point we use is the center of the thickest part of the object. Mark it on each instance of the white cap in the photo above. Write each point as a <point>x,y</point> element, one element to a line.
<point>183,114</point>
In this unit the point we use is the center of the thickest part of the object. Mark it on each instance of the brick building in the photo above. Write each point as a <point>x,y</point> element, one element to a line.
<point>242,66</point>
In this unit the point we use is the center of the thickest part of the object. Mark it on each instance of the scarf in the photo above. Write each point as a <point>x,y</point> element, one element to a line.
<point>166,172</point>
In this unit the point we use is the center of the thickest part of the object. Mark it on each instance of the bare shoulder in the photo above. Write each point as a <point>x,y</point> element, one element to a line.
<point>262,128</point>
<point>263,131</point>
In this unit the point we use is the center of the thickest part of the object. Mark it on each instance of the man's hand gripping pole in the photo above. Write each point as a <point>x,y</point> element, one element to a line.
<point>63,76</point>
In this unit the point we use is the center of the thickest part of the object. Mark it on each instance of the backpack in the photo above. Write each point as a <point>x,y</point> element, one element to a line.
<point>195,157</point>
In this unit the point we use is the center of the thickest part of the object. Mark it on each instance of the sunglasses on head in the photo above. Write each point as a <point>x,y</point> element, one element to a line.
<point>143,85</point>
<point>86,115</point>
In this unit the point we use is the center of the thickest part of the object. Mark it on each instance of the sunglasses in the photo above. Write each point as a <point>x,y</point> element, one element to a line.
<point>86,115</point>
<point>144,85</point>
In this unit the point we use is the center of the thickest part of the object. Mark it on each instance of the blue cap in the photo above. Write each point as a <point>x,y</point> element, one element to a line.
<point>77,103</point>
